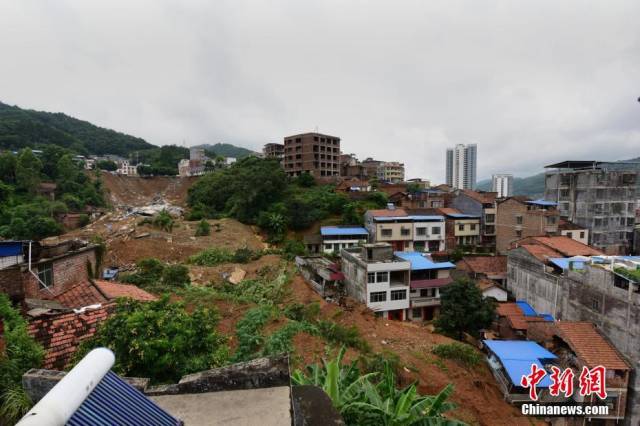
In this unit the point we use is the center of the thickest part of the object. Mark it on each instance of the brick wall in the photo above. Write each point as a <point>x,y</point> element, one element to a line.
<point>68,271</point>
<point>534,223</point>
<point>11,283</point>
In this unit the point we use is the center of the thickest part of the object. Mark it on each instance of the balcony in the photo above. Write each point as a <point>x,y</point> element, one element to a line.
<point>419,302</point>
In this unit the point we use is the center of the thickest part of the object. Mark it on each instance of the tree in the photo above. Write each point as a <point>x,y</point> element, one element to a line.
<point>107,165</point>
<point>8,163</point>
<point>464,310</point>
<point>413,187</point>
<point>203,228</point>
<point>28,169</point>
<point>305,180</point>
<point>160,340</point>
<point>21,353</point>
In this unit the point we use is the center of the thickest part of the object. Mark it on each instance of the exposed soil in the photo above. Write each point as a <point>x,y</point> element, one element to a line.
<point>138,191</point>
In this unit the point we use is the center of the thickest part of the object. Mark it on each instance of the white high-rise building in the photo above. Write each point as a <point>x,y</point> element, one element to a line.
<point>462,166</point>
<point>503,185</point>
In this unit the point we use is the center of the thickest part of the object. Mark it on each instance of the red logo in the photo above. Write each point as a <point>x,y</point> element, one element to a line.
<point>562,381</point>
<point>531,381</point>
<point>593,381</point>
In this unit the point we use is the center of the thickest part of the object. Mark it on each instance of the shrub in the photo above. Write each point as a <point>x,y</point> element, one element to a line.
<point>160,340</point>
<point>163,220</point>
<point>84,220</point>
<point>155,275</point>
<point>293,248</point>
<point>249,332</point>
<point>211,257</point>
<point>338,334</point>
<point>459,352</point>
<point>302,312</point>
<point>175,276</point>
<point>203,228</point>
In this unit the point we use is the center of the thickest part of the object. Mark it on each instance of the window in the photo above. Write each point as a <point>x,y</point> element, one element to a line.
<point>428,292</point>
<point>519,220</point>
<point>327,246</point>
<point>378,296</point>
<point>460,227</point>
<point>405,231</point>
<point>386,232</point>
<point>595,304</point>
<point>519,233</point>
<point>435,230</point>
<point>570,234</point>
<point>45,274</point>
<point>398,294</point>
<point>490,218</point>
<point>371,277</point>
<point>581,234</point>
<point>383,277</point>
<point>551,220</point>
<point>416,313</point>
<point>473,226</point>
<point>421,231</point>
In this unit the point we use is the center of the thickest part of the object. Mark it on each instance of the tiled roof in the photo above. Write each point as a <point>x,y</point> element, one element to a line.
<point>61,334</point>
<point>566,225</point>
<point>83,294</point>
<point>448,210</point>
<point>481,197</point>
<point>558,246</point>
<point>113,290</point>
<point>515,316</point>
<point>540,252</point>
<point>388,212</point>
<point>485,284</point>
<point>488,265</point>
<point>589,345</point>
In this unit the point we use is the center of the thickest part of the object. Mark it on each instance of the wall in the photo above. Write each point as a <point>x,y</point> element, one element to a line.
<point>534,223</point>
<point>575,234</point>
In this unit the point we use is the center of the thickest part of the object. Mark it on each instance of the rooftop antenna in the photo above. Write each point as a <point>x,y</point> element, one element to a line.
<point>316,129</point>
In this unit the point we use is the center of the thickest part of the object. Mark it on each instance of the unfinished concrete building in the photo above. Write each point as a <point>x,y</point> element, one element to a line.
<point>600,196</point>
<point>573,287</point>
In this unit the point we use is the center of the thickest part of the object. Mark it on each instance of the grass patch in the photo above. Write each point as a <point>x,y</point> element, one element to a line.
<point>459,352</point>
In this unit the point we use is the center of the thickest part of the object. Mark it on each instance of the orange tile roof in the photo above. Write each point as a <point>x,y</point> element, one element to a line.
<point>515,316</point>
<point>448,210</point>
<point>540,252</point>
<point>590,346</point>
<point>83,294</point>
<point>60,335</point>
<point>481,197</point>
<point>113,290</point>
<point>489,265</point>
<point>556,246</point>
<point>388,213</point>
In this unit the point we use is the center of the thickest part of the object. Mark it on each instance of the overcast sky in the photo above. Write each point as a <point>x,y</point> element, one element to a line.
<point>530,82</point>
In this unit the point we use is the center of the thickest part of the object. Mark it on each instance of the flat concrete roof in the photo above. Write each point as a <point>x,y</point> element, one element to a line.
<point>264,406</point>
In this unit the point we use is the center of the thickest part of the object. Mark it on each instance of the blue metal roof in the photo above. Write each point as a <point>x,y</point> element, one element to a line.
<point>462,216</point>
<point>421,263</point>
<point>390,218</point>
<point>547,317</point>
<point>541,202</point>
<point>563,262</point>
<point>10,248</point>
<point>516,356</point>
<point>343,230</point>
<point>419,218</point>
<point>115,402</point>
<point>526,308</point>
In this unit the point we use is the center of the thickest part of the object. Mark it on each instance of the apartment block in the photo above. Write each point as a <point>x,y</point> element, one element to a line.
<point>483,205</point>
<point>502,184</point>
<point>373,275</point>
<point>574,282</point>
<point>427,279</point>
<point>423,199</point>
<point>273,150</point>
<point>313,153</point>
<point>461,229</point>
<point>462,166</point>
<point>335,238</point>
<point>406,232</point>
<point>600,196</point>
<point>391,171</point>
<point>519,217</point>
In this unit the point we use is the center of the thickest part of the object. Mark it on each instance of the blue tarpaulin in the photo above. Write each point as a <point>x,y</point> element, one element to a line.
<point>340,230</point>
<point>541,202</point>
<point>421,263</point>
<point>563,262</point>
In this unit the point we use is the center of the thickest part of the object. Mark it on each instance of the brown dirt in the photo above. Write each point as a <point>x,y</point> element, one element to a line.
<point>138,191</point>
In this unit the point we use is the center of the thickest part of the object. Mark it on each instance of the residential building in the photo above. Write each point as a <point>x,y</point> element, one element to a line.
<point>423,199</point>
<point>421,183</point>
<point>46,271</point>
<point>580,344</point>
<point>373,275</point>
<point>391,171</point>
<point>350,167</point>
<point>462,166</point>
<point>519,217</point>
<point>514,319</point>
<point>195,165</point>
<point>273,150</point>
<point>323,275</point>
<point>426,281</point>
<point>125,168</point>
<point>600,196</point>
<point>574,282</point>
<point>351,184</point>
<point>636,234</point>
<point>461,229</point>
<point>335,238</point>
<point>502,184</point>
<point>313,153</point>
<point>406,232</point>
<point>371,167</point>
<point>571,230</point>
<point>483,205</point>
<point>490,289</point>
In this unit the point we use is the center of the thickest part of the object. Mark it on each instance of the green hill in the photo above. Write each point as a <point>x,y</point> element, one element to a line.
<point>21,128</point>
<point>228,150</point>
<point>532,186</point>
